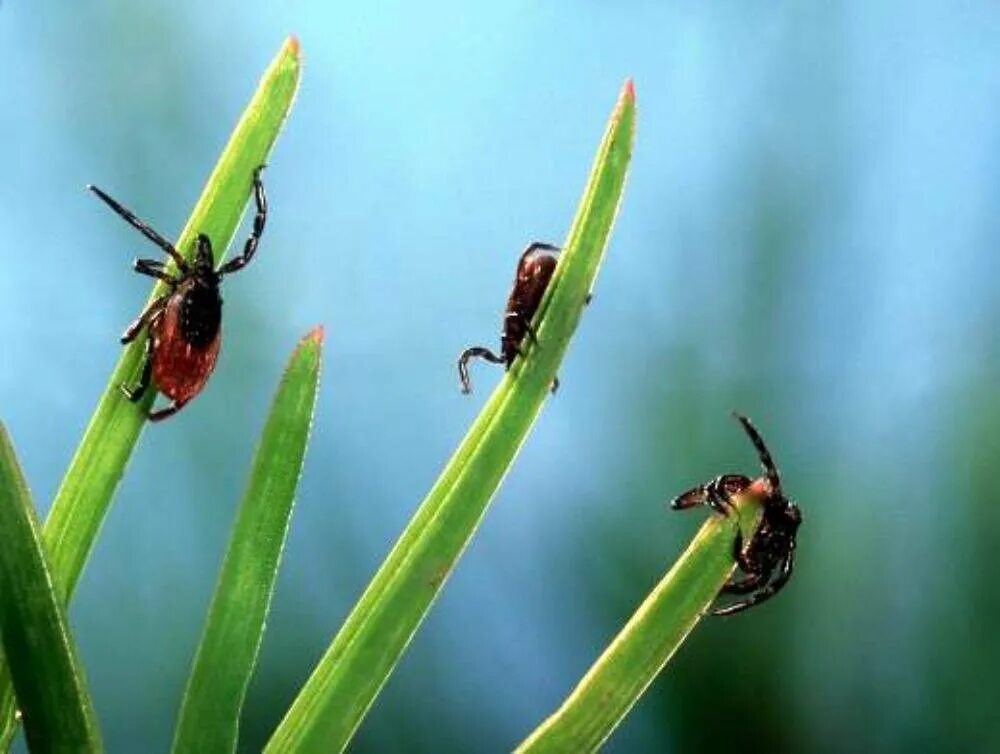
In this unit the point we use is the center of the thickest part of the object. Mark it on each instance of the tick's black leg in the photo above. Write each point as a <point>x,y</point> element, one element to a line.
<point>718,497</point>
<point>717,501</point>
<point>531,334</point>
<point>522,321</point>
<point>690,498</point>
<point>144,319</point>
<point>743,586</point>
<point>716,494</point>
<point>463,363</point>
<point>154,269</point>
<point>528,327</point>
<point>166,413</point>
<point>773,478</point>
<point>136,393</point>
<point>250,248</point>
<point>530,330</point>
<point>763,594</point>
<point>140,226</point>
<point>203,252</point>
<point>147,266</point>
<point>721,491</point>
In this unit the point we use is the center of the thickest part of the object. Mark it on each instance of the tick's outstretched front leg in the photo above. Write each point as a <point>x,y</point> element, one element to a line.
<point>476,352</point>
<point>128,216</point>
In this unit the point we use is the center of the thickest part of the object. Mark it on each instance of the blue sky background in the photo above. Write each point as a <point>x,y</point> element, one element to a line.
<point>810,234</point>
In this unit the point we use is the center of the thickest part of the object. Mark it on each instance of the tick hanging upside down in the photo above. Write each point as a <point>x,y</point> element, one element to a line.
<point>185,323</point>
<point>534,271</point>
<point>772,546</point>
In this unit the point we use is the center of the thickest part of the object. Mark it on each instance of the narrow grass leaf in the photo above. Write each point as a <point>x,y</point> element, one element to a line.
<point>210,711</point>
<point>343,686</point>
<point>85,494</point>
<point>630,663</point>
<point>48,678</point>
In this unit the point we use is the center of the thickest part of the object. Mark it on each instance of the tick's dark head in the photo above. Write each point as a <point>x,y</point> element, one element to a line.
<point>204,263</point>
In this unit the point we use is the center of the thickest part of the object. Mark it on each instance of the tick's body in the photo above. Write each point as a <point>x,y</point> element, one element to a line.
<point>185,324</point>
<point>769,558</point>
<point>186,337</point>
<point>534,271</point>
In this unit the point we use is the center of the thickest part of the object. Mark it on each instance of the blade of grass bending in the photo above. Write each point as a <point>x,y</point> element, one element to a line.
<point>343,686</point>
<point>85,494</point>
<point>55,705</point>
<point>210,711</point>
<point>630,663</point>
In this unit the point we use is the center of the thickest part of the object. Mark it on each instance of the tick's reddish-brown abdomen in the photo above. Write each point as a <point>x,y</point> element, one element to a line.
<point>180,369</point>
<point>532,278</point>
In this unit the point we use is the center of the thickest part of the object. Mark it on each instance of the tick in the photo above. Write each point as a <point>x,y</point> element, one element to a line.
<point>768,559</point>
<point>184,324</point>
<point>534,271</point>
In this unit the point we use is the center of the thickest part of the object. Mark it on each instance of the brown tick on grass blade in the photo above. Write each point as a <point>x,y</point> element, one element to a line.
<point>184,324</point>
<point>534,271</point>
<point>772,547</point>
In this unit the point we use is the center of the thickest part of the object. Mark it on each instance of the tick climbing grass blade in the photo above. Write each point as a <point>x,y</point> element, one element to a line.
<point>343,686</point>
<point>47,675</point>
<point>630,663</point>
<point>210,711</point>
<point>85,494</point>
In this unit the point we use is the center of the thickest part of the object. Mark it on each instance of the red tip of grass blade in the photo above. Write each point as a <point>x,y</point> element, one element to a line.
<point>315,335</point>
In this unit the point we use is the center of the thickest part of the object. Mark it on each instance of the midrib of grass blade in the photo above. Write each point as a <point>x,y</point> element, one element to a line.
<point>227,654</point>
<point>86,491</point>
<point>343,686</point>
<point>647,642</point>
<point>55,705</point>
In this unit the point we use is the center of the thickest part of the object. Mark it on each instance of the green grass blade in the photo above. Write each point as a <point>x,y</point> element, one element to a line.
<point>85,494</point>
<point>210,711</point>
<point>630,663</point>
<point>55,705</point>
<point>336,697</point>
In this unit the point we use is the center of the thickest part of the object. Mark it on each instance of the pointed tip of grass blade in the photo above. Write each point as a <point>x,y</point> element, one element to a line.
<point>626,105</point>
<point>316,335</point>
<point>292,43</point>
<point>342,687</point>
<point>310,346</point>
<point>234,628</point>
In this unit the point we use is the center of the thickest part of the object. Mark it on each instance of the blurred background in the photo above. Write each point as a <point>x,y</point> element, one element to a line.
<point>811,234</point>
